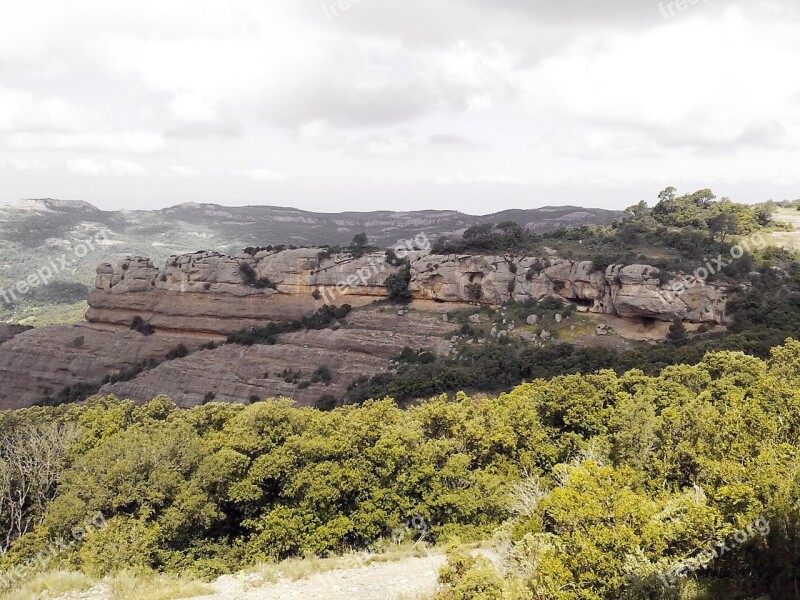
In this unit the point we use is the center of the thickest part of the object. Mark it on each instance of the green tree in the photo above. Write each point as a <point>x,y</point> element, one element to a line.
<point>677,332</point>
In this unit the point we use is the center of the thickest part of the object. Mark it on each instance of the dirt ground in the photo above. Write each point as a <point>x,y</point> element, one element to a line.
<point>406,579</point>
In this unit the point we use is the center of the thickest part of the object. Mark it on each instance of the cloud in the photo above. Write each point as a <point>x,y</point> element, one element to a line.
<point>131,142</point>
<point>181,171</point>
<point>192,115</point>
<point>259,175</point>
<point>23,165</point>
<point>567,92</point>
<point>25,111</point>
<point>117,168</point>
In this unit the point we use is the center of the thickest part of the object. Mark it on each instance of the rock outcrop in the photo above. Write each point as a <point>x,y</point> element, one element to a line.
<point>233,373</point>
<point>38,364</point>
<point>8,331</point>
<point>211,293</point>
<point>202,297</point>
<point>621,290</point>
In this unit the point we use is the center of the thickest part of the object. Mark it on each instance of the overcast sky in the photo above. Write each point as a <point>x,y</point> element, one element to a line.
<point>475,105</point>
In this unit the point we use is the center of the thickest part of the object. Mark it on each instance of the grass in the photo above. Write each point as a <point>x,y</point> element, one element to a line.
<point>155,586</point>
<point>150,585</point>
<point>788,239</point>
<point>53,314</point>
<point>122,586</point>
<point>49,585</point>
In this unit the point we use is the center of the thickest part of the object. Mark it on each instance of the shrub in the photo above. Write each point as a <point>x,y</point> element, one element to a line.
<point>322,374</point>
<point>326,402</point>
<point>397,285</point>
<point>141,326</point>
<point>474,292</point>
<point>178,351</point>
<point>251,278</point>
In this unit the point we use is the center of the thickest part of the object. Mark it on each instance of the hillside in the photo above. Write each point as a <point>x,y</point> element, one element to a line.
<point>35,232</point>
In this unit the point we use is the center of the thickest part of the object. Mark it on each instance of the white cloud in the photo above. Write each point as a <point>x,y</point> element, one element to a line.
<point>259,175</point>
<point>181,171</point>
<point>24,111</point>
<point>23,165</point>
<point>122,142</point>
<point>117,168</point>
<point>573,94</point>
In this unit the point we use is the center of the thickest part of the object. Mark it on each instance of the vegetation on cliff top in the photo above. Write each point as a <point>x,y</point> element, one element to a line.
<point>675,234</point>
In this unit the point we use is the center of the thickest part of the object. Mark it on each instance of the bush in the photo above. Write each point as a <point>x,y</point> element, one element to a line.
<point>397,285</point>
<point>325,317</point>
<point>178,351</point>
<point>322,374</point>
<point>474,292</point>
<point>141,326</point>
<point>326,402</point>
<point>251,278</point>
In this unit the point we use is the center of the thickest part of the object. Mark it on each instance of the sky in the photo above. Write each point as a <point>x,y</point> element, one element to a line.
<point>332,105</point>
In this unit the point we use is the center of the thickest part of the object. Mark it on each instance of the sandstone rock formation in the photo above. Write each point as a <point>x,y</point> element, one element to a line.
<point>205,296</point>
<point>233,373</point>
<point>623,290</point>
<point>209,292</point>
<point>40,363</point>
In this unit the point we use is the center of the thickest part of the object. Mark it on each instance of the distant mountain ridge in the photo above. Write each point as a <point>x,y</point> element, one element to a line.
<point>35,231</point>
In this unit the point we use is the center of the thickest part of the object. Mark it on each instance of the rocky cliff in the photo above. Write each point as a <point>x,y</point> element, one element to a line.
<point>198,298</point>
<point>216,294</point>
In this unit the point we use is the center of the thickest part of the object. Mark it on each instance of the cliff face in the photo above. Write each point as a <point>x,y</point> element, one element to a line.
<point>201,297</point>
<point>216,294</point>
<point>39,363</point>
<point>621,290</point>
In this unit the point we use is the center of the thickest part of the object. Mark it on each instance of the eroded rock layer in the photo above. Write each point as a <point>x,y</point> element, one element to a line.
<point>212,293</point>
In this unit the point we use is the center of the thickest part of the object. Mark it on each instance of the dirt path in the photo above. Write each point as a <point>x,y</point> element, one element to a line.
<point>408,579</point>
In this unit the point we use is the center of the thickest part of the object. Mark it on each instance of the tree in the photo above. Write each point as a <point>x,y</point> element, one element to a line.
<point>360,245</point>
<point>359,240</point>
<point>478,231</point>
<point>677,332</point>
<point>639,210</point>
<point>723,224</point>
<point>397,285</point>
<point>32,460</point>
<point>667,195</point>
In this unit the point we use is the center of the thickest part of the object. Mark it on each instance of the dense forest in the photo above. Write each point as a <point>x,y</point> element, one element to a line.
<point>598,486</point>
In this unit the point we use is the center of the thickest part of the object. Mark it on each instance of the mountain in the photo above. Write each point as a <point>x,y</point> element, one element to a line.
<point>35,233</point>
